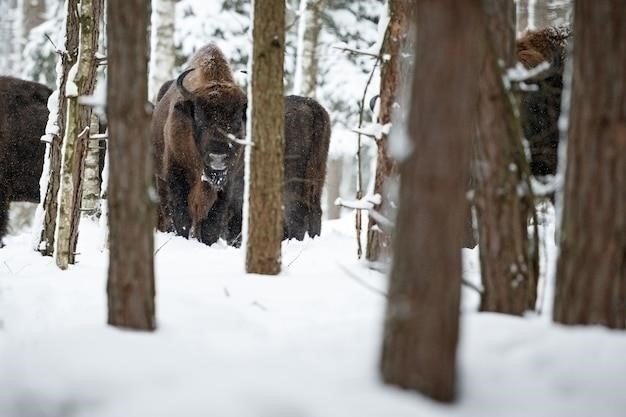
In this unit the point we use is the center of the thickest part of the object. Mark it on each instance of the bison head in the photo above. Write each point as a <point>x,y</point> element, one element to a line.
<point>217,112</point>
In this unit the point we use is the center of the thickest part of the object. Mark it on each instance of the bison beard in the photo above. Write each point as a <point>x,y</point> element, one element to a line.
<point>307,137</point>
<point>194,158</point>
<point>540,109</point>
<point>23,118</point>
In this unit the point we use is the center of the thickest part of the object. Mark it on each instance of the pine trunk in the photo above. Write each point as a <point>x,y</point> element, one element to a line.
<point>266,127</point>
<point>162,50</point>
<point>379,241</point>
<point>48,207</point>
<point>422,318</point>
<point>76,134</point>
<point>591,269</point>
<point>508,256</point>
<point>130,287</point>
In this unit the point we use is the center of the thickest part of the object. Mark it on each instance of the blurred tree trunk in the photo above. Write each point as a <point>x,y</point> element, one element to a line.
<point>378,240</point>
<point>333,186</point>
<point>309,26</point>
<point>266,131</point>
<point>51,177</point>
<point>508,256</point>
<point>130,285</point>
<point>78,121</point>
<point>591,268</point>
<point>422,318</point>
<point>162,50</point>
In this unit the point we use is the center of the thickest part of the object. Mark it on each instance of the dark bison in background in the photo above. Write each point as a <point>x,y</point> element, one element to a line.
<point>307,137</point>
<point>194,157</point>
<point>23,118</point>
<point>540,109</point>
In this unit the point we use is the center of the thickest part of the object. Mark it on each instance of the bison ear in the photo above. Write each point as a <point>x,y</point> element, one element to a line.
<point>184,107</point>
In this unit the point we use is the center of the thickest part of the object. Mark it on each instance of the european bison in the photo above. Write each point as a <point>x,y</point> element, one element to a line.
<point>195,159</point>
<point>540,109</point>
<point>23,118</point>
<point>307,137</point>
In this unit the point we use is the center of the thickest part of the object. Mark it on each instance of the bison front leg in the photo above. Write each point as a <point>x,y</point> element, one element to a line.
<point>201,199</point>
<point>178,191</point>
<point>214,223</point>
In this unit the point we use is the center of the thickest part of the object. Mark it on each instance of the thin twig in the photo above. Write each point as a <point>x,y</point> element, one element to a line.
<point>161,247</point>
<point>357,51</point>
<point>359,281</point>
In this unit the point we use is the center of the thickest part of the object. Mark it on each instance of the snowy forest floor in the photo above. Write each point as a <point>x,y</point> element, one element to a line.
<point>303,344</point>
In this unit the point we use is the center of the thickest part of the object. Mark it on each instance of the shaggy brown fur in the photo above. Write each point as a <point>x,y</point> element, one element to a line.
<point>540,109</point>
<point>307,137</point>
<point>23,117</point>
<point>190,125</point>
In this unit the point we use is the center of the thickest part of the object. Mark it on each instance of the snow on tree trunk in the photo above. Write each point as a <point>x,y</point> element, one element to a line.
<point>504,202</point>
<point>131,196</point>
<point>162,49</point>
<point>591,268</point>
<point>51,177</point>
<point>90,204</point>
<point>422,317</point>
<point>309,26</point>
<point>81,82</point>
<point>264,160</point>
<point>396,33</point>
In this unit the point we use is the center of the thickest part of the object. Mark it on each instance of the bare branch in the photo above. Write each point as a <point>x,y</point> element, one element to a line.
<point>357,51</point>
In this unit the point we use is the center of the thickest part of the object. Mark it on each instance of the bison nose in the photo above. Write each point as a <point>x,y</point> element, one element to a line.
<point>217,161</point>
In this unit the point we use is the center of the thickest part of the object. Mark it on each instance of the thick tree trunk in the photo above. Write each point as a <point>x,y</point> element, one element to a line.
<point>76,134</point>
<point>591,269</point>
<point>309,26</point>
<point>130,287</point>
<point>422,319</point>
<point>379,241</point>
<point>508,256</point>
<point>51,177</point>
<point>266,126</point>
<point>162,51</point>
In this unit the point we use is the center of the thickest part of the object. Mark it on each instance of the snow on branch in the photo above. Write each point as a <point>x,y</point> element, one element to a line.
<point>366,203</point>
<point>374,130</point>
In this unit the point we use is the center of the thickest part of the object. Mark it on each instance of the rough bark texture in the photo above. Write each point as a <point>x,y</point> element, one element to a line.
<point>76,135</point>
<point>309,26</point>
<point>379,241</point>
<point>266,126</point>
<point>49,204</point>
<point>591,269</point>
<point>508,255</point>
<point>130,286</point>
<point>162,50</point>
<point>421,327</point>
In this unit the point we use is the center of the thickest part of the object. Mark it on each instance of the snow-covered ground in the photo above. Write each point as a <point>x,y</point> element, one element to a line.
<point>303,344</point>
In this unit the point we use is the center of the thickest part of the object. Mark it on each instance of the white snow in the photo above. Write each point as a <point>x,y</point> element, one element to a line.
<point>305,343</point>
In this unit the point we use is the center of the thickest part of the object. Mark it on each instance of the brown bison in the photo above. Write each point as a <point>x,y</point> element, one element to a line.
<point>23,118</point>
<point>540,109</point>
<point>307,137</point>
<point>195,159</point>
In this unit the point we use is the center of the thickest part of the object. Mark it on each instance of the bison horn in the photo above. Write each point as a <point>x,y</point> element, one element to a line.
<point>179,84</point>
